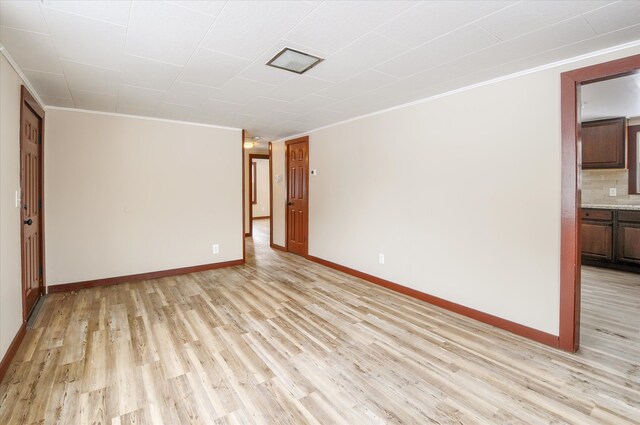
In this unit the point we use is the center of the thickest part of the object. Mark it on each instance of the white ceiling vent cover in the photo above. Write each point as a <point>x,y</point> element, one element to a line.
<point>294,61</point>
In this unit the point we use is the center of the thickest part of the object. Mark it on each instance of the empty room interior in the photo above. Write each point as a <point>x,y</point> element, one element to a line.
<point>319,212</point>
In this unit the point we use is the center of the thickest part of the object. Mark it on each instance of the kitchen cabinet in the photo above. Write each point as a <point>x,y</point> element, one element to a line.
<point>610,238</point>
<point>604,144</point>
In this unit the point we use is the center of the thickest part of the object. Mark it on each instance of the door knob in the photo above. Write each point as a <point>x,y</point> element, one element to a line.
<point>28,222</point>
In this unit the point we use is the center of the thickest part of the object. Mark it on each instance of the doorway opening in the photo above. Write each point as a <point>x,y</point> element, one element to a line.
<point>259,195</point>
<point>597,231</point>
<point>31,201</point>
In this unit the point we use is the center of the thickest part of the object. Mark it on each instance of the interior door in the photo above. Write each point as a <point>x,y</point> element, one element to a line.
<point>31,212</point>
<point>297,195</point>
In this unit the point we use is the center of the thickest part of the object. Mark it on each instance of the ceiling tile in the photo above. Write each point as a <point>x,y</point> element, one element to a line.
<point>211,68</point>
<point>47,84</point>
<point>431,19</point>
<point>297,87</point>
<point>25,15</point>
<point>175,111</point>
<point>31,50</point>
<point>333,25</point>
<point>91,42</point>
<point>188,94</point>
<point>307,104</point>
<point>94,101</point>
<point>90,78</point>
<point>61,102</point>
<point>528,16</point>
<point>368,51</point>
<point>165,32</point>
<point>262,105</point>
<point>216,107</point>
<point>212,8</point>
<point>267,21</point>
<point>139,97</point>
<point>115,12</point>
<point>615,16</point>
<point>241,90</point>
<point>444,49</point>
<point>361,83</point>
<point>143,72</point>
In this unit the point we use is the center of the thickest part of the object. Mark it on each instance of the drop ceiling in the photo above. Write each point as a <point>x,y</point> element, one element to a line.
<point>204,61</point>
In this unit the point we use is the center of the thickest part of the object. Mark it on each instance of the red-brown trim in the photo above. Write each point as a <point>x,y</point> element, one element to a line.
<point>264,217</point>
<point>26,98</point>
<point>12,350</point>
<point>65,287</point>
<point>480,316</point>
<point>244,195</point>
<point>253,156</point>
<point>286,214</point>
<point>278,247</point>
<point>632,149</point>
<point>571,192</point>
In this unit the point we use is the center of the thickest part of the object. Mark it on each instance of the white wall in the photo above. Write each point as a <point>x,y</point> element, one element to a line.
<point>128,195</point>
<point>10,259</point>
<point>261,208</point>
<point>279,189</point>
<point>461,193</point>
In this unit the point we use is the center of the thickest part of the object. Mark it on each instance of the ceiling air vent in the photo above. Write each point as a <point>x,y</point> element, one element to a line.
<point>294,61</point>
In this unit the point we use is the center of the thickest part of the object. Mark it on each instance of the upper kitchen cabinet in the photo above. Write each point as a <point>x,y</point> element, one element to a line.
<point>603,144</point>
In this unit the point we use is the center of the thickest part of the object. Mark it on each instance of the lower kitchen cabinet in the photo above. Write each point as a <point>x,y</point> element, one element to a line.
<point>611,238</point>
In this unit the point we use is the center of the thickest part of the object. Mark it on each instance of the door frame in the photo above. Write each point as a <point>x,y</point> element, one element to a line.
<point>304,139</point>
<point>571,192</point>
<point>29,101</point>
<point>253,156</point>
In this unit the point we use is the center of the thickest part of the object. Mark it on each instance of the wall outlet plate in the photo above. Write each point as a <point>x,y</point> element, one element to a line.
<point>613,191</point>
<point>381,258</point>
<point>314,172</point>
<point>216,248</point>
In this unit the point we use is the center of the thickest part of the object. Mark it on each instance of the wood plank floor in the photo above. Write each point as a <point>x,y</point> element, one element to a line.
<point>283,340</point>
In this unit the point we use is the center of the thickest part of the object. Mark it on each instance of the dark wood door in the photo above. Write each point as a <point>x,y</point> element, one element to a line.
<point>629,243</point>
<point>297,195</point>
<point>31,212</point>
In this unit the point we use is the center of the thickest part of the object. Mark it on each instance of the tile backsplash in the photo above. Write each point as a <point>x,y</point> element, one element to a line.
<point>596,185</point>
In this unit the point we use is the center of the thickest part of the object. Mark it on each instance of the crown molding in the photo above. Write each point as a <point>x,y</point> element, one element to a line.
<point>116,114</point>
<point>24,78</point>
<point>473,86</point>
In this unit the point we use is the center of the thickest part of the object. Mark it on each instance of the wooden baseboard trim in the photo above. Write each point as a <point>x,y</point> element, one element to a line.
<point>264,217</point>
<point>498,322</point>
<point>65,287</point>
<point>278,247</point>
<point>12,350</point>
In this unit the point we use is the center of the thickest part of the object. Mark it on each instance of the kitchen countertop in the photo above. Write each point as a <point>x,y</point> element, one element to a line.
<point>612,207</point>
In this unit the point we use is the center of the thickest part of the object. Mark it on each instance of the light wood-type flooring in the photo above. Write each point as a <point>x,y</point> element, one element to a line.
<point>285,341</point>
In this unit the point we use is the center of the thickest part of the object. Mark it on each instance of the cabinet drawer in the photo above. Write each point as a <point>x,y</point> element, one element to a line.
<point>589,214</point>
<point>629,216</point>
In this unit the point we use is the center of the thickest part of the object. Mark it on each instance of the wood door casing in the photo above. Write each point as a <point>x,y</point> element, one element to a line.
<point>31,211</point>
<point>297,217</point>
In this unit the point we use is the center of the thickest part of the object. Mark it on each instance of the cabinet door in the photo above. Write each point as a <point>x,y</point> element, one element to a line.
<point>597,240</point>
<point>603,144</point>
<point>629,243</point>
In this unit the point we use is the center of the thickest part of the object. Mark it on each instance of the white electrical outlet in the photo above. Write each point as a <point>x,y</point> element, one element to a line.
<point>613,191</point>
<point>216,248</point>
<point>381,258</point>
